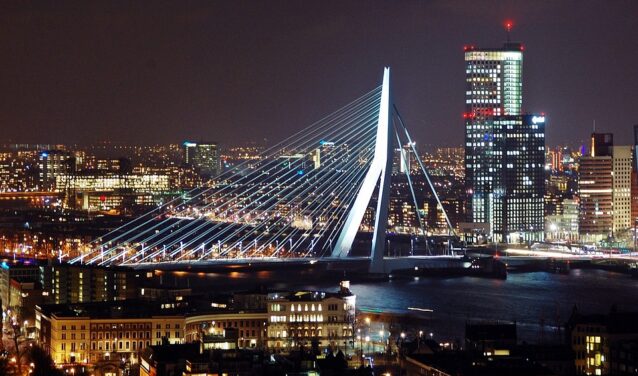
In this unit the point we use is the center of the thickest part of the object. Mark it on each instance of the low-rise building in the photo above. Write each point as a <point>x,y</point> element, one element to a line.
<point>15,271</point>
<point>87,283</point>
<point>104,335</point>
<point>593,336</point>
<point>193,360</point>
<point>309,318</point>
<point>24,296</point>
<point>109,336</point>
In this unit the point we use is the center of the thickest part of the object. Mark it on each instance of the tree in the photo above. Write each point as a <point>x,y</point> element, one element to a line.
<point>4,366</point>
<point>42,363</point>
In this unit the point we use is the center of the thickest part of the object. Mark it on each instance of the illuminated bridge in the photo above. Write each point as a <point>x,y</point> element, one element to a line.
<point>304,199</point>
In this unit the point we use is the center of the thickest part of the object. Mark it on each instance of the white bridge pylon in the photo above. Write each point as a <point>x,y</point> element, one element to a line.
<point>380,171</point>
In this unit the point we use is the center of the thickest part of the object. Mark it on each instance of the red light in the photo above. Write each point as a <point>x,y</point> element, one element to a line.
<point>467,115</point>
<point>522,48</point>
<point>508,25</point>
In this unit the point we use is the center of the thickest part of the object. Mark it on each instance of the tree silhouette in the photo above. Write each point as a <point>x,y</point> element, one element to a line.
<point>42,363</point>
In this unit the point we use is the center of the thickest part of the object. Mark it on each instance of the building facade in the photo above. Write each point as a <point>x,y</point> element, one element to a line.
<point>504,149</point>
<point>53,163</point>
<point>607,186</point>
<point>596,198</point>
<point>108,337</point>
<point>70,284</point>
<point>103,336</point>
<point>621,190</point>
<point>307,318</point>
<point>204,157</point>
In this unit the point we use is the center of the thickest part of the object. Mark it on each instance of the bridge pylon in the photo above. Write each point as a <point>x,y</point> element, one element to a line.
<point>380,171</point>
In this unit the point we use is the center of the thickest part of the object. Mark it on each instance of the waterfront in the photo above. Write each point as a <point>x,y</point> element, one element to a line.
<point>527,298</point>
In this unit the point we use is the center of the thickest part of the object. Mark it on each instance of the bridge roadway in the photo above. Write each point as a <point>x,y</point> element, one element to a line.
<point>361,264</point>
<point>264,263</point>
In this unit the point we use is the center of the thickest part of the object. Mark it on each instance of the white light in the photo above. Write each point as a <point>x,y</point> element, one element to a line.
<point>538,119</point>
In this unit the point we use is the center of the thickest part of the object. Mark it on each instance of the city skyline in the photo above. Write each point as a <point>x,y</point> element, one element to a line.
<point>318,188</point>
<point>163,74</point>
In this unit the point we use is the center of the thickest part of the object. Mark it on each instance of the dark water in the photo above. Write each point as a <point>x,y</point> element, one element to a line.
<point>537,301</point>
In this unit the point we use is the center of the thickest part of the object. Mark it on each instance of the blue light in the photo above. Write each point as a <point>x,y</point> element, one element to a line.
<point>44,154</point>
<point>4,265</point>
<point>300,172</point>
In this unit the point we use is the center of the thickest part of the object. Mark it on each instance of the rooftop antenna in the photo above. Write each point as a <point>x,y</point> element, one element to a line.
<point>508,28</point>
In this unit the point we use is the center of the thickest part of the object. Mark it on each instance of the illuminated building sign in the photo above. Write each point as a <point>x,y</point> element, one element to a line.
<point>538,119</point>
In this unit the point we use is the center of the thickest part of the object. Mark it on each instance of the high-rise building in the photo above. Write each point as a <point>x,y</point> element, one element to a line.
<point>203,157</point>
<point>53,163</point>
<point>504,148</point>
<point>595,186</point>
<point>621,189</point>
<point>404,159</point>
<point>494,80</point>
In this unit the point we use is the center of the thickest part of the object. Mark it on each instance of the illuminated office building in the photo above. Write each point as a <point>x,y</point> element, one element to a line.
<point>621,189</point>
<point>53,163</point>
<point>595,186</point>
<point>504,149</point>
<point>605,188</point>
<point>203,157</point>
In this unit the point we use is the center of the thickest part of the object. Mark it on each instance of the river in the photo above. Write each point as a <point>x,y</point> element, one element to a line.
<point>536,301</point>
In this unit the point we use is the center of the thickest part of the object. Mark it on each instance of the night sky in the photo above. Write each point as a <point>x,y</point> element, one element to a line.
<point>230,71</point>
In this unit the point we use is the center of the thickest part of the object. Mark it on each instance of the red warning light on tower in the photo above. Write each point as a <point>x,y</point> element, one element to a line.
<point>508,28</point>
<point>508,25</point>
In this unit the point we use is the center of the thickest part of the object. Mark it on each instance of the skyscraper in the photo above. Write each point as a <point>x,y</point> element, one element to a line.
<point>203,157</point>
<point>53,163</point>
<point>621,196</point>
<point>595,186</point>
<point>504,148</point>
